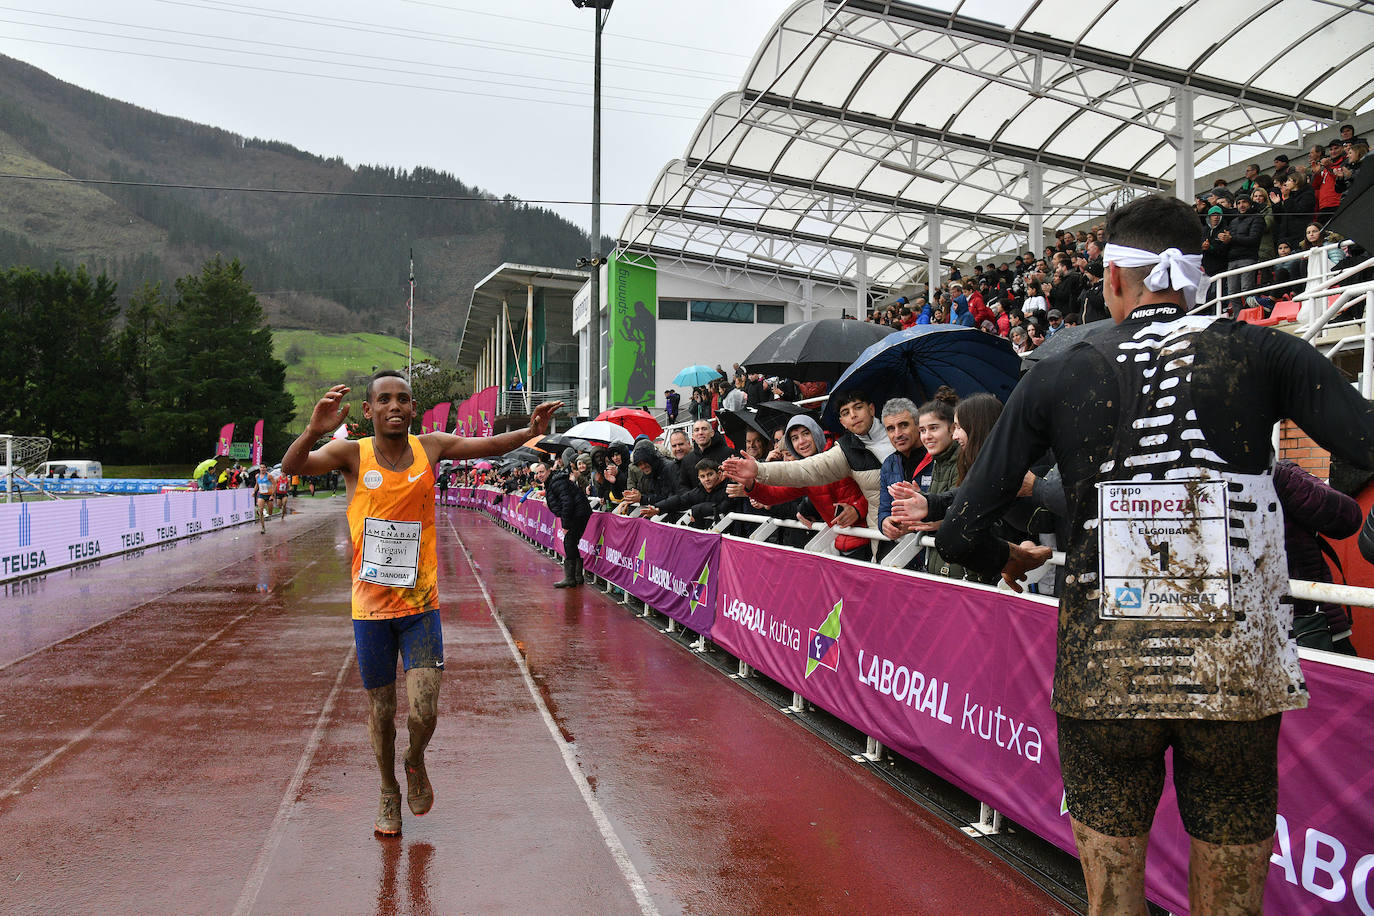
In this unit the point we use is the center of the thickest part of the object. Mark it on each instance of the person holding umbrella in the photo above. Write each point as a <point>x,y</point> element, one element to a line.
<point>860,454</point>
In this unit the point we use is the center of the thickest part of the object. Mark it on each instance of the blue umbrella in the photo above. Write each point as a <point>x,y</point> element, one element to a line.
<point>915,362</point>
<point>696,375</point>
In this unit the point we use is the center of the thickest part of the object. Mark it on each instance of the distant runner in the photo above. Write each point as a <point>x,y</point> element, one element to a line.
<point>264,488</point>
<point>283,490</point>
<point>395,567</point>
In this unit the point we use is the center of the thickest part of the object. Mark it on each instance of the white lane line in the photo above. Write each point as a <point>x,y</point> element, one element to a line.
<point>603,823</point>
<point>253,886</point>
<point>14,787</point>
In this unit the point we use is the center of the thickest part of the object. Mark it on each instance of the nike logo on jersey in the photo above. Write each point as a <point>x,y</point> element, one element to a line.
<point>416,477</point>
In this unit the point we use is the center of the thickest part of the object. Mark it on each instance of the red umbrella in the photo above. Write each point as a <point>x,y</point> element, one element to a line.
<point>638,422</point>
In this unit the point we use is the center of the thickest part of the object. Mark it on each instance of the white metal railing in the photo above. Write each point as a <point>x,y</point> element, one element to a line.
<point>1299,588</point>
<point>524,402</point>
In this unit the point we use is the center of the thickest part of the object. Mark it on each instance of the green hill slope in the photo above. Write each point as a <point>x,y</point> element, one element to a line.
<point>316,360</point>
<point>319,262</point>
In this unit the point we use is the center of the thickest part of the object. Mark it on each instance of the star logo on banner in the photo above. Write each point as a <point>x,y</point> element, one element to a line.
<point>823,644</point>
<point>639,561</point>
<point>698,596</point>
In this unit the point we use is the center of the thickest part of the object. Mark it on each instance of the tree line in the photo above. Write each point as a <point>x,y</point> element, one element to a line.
<point>150,383</point>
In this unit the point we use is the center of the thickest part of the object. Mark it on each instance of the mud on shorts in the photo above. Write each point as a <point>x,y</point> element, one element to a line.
<point>417,638</point>
<point>1225,775</point>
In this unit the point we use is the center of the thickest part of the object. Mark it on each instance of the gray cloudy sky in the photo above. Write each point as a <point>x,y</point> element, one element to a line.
<point>498,94</point>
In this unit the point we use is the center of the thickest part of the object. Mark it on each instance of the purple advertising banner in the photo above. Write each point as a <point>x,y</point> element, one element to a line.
<point>955,678</point>
<point>672,569</point>
<point>534,520</point>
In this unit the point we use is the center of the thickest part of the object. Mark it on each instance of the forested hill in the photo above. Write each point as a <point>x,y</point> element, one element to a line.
<point>315,261</point>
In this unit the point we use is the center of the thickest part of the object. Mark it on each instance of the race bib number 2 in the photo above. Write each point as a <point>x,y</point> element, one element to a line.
<point>1164,549</point>
<point>391,553</point>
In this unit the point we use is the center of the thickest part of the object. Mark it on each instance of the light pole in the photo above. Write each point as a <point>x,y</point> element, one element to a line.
<point>602,9</point>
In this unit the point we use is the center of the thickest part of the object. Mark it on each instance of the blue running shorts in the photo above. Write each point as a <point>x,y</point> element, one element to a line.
<point>417,638</point>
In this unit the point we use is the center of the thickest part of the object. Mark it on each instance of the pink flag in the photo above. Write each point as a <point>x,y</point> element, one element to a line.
<point>257,443</point>
<point>441,417</point>
<point>427,421</point>
<point>226,437</point>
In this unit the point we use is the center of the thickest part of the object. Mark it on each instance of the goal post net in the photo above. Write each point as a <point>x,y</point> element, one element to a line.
<point>21,458</point>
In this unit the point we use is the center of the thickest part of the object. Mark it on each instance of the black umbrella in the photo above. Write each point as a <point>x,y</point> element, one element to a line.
<point>814,351</point>
<point>1060,341</point>
<point>774,415</point>
<point>737,423</point>
<point>556,443</point>
<point>524,455</point>
<point>1354,219</point>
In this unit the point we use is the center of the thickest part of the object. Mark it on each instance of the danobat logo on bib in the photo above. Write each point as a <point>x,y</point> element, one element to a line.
<point>372,479</point>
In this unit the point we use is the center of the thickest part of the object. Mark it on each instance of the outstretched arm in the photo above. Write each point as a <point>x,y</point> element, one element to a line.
<point>447,445</point>
<point>334,455</point>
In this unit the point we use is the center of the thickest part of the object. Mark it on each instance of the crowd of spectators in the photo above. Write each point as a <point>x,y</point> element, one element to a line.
<point>1260,216</point>
<point>896,466</point>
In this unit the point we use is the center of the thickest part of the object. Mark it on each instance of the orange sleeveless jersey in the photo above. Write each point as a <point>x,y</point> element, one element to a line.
<point>391,523</point>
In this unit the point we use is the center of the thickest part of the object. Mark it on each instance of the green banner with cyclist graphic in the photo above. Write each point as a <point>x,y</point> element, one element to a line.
<point>632,307</point>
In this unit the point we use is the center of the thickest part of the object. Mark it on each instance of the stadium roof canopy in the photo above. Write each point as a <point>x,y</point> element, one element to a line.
<point>869,138</point>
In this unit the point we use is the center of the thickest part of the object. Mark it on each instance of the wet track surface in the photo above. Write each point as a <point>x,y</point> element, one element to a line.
<point>184,732</point>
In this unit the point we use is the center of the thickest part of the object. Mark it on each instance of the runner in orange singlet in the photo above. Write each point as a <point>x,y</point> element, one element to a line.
<point>390,481</point>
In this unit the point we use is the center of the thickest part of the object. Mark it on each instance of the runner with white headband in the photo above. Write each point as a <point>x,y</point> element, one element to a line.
<point>1172,268</point>
<point>1174,624</point>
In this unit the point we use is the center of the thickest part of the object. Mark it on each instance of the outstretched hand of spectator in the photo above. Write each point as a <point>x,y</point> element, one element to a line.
<point>735,490</point>
<point>743,469</point>
<point>1021,559</point>
<point>846,517</point>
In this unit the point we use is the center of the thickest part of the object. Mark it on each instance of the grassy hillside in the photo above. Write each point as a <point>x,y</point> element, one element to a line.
<point>316,360</point>
<point>322,262</point>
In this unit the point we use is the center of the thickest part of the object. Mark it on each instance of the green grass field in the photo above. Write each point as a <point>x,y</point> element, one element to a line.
<point>328,359</point>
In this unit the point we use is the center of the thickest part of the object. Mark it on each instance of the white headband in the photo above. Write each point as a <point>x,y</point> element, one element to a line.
<point>1172,268</point>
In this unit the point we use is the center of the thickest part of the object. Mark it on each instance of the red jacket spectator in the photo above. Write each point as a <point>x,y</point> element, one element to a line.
<point>980,311</point>
<point>827,499</point>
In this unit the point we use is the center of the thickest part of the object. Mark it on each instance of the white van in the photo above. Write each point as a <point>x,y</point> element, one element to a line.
<point>78,468</point>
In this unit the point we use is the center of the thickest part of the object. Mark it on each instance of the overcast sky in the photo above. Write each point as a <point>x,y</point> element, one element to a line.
<point>498,94</point>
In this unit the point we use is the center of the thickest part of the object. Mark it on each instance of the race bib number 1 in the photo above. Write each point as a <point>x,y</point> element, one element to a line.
<point>391,553</point>
<point>1164,548</point>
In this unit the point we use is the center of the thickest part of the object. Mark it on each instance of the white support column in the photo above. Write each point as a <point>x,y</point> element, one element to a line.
<point>1035,209</point>
<point>529,346</point>
<point>1182,141</point>
<point>495,377</point>
<point>861,285</point>
<point>933,253</point>
<point>808,291</point>
<point>503,338</point>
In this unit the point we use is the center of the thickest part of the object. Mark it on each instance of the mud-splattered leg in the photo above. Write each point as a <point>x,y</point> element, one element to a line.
<point>422,689</point>
<point>381,728</point>
<point>1114,870</point>
<point>1228,880</point>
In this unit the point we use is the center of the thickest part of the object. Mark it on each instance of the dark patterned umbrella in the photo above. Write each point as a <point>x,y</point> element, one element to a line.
<point>814,351</point>
<point>915,362</point>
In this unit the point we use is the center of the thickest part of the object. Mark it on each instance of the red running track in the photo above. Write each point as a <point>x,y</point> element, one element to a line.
<point>184,732</point>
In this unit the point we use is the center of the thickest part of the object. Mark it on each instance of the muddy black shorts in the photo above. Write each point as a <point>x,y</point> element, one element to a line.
<point>1225,775</point>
